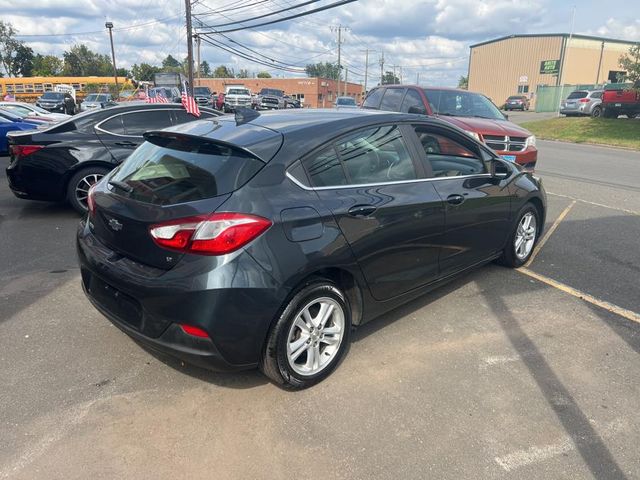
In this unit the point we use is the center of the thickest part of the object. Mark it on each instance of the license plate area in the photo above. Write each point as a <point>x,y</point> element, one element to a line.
<point>122,306</point>
<point>509,158</point>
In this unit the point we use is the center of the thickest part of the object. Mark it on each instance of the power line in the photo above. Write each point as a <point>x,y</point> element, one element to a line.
<point>303,4</point>
<point>308,12</point>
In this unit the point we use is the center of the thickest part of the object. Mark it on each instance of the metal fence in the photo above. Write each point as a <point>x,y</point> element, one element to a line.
<point>548,98</point>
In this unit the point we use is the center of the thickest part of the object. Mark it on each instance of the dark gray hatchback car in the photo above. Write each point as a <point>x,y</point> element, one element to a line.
<point>262,240</point>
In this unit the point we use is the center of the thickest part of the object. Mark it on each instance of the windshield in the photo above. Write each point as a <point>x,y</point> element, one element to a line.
<point>573,95</point>
<point>94,97</point>
<point>35,108</point>
<point>345,101</point>
<point>270,91</point>
<point>201,91</point>
<point>53,96</point>
<point>17,109</point>
<point>238,91</point>
<point>462,104</point>
<point>175,171</point>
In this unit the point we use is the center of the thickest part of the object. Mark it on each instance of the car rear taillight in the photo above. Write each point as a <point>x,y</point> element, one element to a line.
<point>584,100</point>
<point>91,201</point>
<point>215,234</point>
<point>24,150</point>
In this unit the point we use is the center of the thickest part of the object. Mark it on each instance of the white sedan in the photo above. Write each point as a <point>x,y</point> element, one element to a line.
<point>33,111</point>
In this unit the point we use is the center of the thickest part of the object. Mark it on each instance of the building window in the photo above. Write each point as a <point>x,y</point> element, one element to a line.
<point>523,88</point>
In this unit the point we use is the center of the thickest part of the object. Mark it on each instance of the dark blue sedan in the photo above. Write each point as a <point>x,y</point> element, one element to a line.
<point>10,122</point>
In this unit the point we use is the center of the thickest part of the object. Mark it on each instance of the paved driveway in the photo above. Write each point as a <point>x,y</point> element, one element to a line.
<point>501,374</point>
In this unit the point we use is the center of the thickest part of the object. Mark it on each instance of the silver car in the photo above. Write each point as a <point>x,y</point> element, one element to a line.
<point>95,101</point>
<point>33,111</point>
<point>582,102</point>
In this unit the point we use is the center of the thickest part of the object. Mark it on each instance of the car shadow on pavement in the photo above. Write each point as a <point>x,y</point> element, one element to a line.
<point>239,380</point>
<point>625,329</point>
<point>587,441</point>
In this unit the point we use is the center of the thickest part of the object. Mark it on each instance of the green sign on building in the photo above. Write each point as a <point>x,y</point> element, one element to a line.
<point>550,67</point>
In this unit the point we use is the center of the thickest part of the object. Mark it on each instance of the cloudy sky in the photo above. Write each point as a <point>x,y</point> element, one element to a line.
<point>429,38</point>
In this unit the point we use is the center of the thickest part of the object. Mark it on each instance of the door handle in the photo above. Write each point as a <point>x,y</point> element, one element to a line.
<point>126,144</point>
<point>362,210</point>
<point>455,199</point>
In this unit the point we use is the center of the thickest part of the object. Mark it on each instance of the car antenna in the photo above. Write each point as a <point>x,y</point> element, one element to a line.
<point>245,115</point>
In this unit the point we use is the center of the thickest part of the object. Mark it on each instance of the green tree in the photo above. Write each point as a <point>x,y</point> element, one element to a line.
<point>47,65</point>
<point>390,79</point>
<point>80,61</point>
<point>170,64</point>
<point>264,75</point>
<point>324,70</point>
<point>205,69</point>
<point>16,58</point>
<point>630,62</point>
<point>463,82</point>
<point>222,71</point>
<point>144,72</point>
<point>243,73</point>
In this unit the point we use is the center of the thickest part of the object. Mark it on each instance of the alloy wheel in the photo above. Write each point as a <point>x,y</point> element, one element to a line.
<point>83,186</point>
<point>315,336</point>
<point>525,235</point>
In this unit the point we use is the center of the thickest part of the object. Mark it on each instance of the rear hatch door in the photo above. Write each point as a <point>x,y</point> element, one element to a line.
<point>173,176</point>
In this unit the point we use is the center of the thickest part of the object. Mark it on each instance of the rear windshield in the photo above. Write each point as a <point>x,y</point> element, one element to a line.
<point>53,96</point>
<point>345,101</point>
<point>514,98</point>
<point>171,171</point>
<point>573,95</point>
<point>201,91</point>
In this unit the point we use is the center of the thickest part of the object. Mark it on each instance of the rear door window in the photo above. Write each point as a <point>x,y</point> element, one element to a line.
<point>596,95</point>
<point>376,155</point>
<point>169,171</point>
<point>325,169</point>
<point>182,116</point>
<point>137,123</point>
<point>373,99</point>
<point>113,125</point>
<point>392,99</point>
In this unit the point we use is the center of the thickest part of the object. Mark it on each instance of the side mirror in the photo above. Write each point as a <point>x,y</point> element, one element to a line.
<point>498,169</point>
<point>417,110</point>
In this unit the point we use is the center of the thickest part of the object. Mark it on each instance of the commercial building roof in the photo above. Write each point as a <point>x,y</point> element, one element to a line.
<point>566,35</point>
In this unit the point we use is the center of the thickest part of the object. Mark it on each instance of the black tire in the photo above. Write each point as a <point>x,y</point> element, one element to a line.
<point>81,179</point>
<point>596,112</point>
<point>509,257</point>
<point>275,363</point>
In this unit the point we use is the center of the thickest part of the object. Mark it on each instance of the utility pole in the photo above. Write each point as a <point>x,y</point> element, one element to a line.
<point>187,8</point>
<point>400,73</point>
<point>109,25</point>
<point>366,69</point>
<point>418,78</point>
<point>382,68</point>
<point>394,74</point>
<point>197,37</point>
<point>346,81</point>
<point>339,29</point>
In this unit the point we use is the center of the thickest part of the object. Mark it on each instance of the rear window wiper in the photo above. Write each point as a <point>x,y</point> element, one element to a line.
<point>121,185</point>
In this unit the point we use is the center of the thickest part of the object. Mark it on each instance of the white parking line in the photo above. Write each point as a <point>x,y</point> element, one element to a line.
<point>536,454</point>
<point>631,212</point>
<point>623,312</point>
<point>549,232</point>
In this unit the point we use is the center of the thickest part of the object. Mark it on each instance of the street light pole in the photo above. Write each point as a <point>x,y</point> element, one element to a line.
<point>109,25</point>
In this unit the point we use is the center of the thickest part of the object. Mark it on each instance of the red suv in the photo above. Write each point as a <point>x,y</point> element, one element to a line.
<point>472,112</point>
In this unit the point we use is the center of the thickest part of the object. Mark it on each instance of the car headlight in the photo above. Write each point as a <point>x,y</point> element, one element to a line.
<point>531,141</point>
<point>474,135</point>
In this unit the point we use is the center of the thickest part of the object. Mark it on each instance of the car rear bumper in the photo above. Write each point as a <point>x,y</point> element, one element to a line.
<point>234,303</point>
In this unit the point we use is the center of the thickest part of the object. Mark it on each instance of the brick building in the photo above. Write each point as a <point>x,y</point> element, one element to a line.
<point>313,92</point>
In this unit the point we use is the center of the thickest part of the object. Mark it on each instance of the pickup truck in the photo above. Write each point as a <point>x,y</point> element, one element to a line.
<point>621,101</point>
<point>271,98</point>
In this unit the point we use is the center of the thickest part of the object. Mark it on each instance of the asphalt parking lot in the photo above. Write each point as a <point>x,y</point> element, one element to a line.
<point>501,374</point>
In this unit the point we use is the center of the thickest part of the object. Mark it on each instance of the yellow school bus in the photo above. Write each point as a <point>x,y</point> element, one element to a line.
<point>29,88</point>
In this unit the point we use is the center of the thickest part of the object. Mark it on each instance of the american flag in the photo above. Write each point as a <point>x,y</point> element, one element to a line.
<point>158,97</point>
<point>188,102</point>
